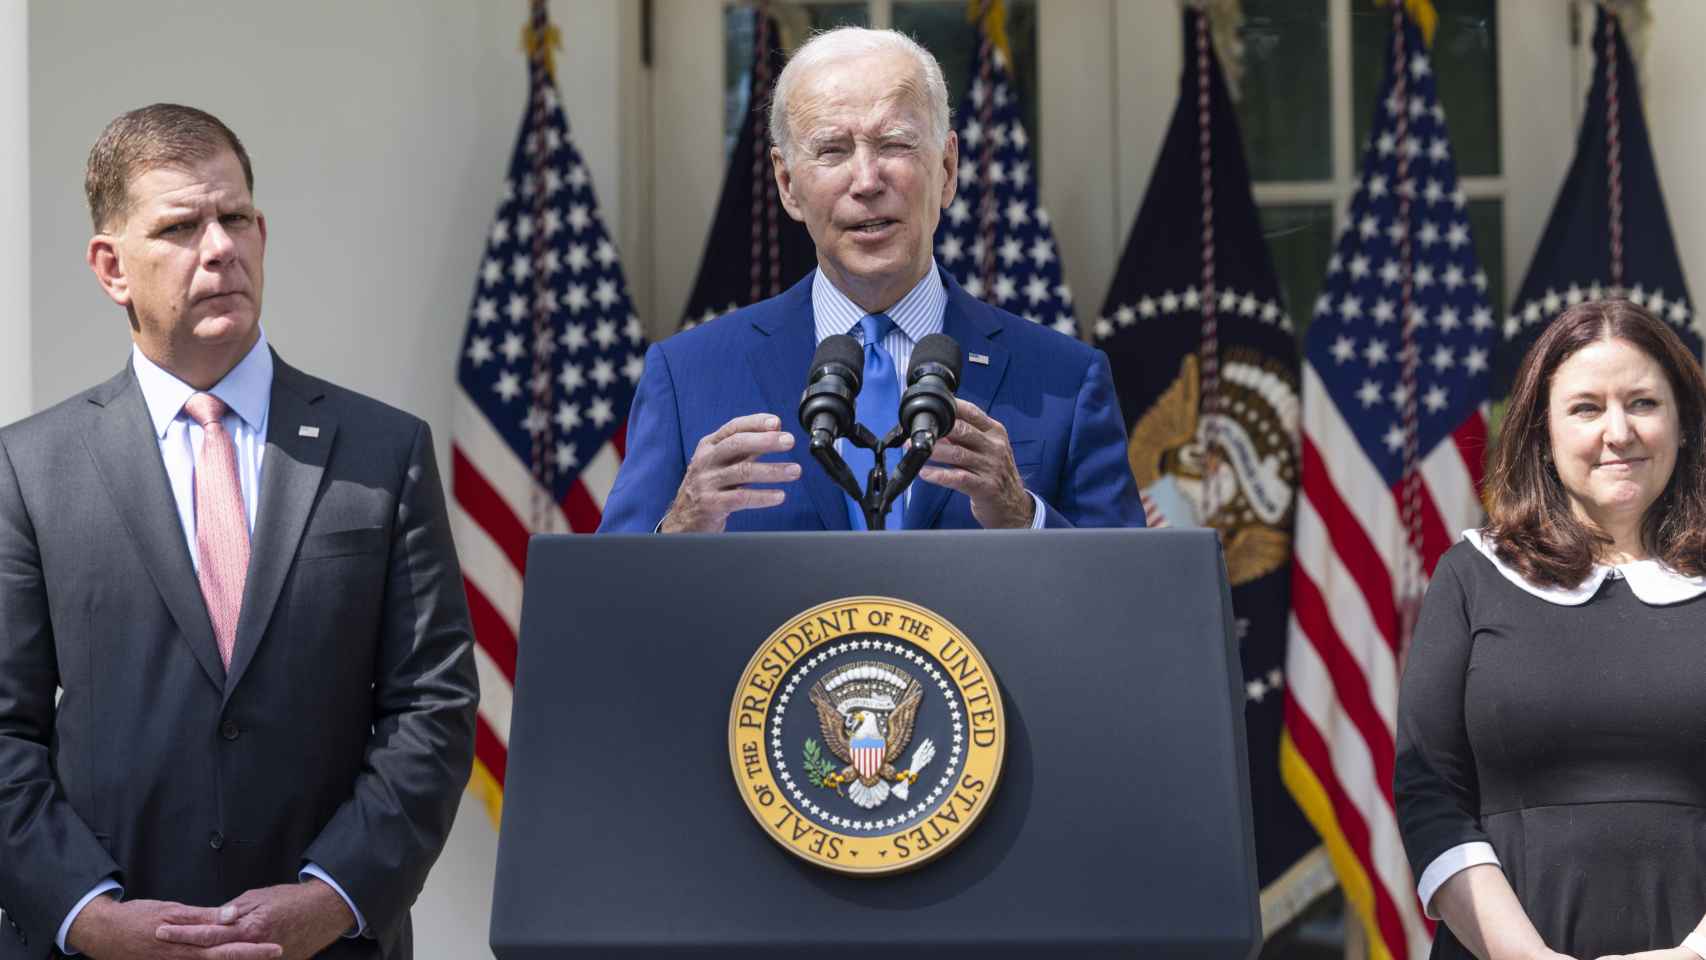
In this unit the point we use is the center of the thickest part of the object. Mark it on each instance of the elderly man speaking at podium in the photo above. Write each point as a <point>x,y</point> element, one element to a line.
<point>864,156</point>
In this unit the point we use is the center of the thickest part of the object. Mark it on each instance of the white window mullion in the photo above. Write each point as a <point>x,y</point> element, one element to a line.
<point>882,14</point>
<point>1344,149</point>
<point>1539,105</point>
<point>1294,192</point>
<point>1483,188</point>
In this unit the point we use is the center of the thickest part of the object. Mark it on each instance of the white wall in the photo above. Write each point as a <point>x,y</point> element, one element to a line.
<point>1672,77</point>
<point>14,211</point>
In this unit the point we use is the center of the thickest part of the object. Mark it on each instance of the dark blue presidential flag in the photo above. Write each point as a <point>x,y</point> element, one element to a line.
<point>1609,235</point>
<point>995,238</point>
<point>1205,360</point>
<point>754,250</point>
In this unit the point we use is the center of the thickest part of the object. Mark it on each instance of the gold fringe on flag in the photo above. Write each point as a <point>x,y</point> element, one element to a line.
<point>542,44</point>
<point>991,17</point>
<point>1312,799</point>
<point>483,785</point>
<point>1423,12</point>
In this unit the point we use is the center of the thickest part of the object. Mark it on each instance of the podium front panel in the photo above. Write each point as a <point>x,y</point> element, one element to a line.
<point>1120,827</point>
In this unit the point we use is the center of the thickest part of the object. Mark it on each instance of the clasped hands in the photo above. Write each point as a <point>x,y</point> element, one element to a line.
<point>975,458</point>
<point>291,921</point>
<point>1669,953</point>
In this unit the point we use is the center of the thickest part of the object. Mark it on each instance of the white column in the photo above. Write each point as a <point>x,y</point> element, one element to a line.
<point>14,211</point>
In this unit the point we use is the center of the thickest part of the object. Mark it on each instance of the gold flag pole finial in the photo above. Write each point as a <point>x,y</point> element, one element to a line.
<point>991,16</point>
<point>1423,12</point>
<point>1225,21</point>
<point>540,39</point>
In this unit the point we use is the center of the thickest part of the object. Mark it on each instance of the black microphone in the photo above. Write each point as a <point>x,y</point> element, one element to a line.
<point>833,382</point>
<point>928,404</point>
<point>926,408</point>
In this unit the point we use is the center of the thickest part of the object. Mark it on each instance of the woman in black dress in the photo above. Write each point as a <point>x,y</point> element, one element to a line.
<point>1551,771</point>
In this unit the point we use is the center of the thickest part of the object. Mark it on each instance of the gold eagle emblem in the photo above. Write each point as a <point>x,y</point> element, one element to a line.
<point>1245,477</point>
<point>866,712</point>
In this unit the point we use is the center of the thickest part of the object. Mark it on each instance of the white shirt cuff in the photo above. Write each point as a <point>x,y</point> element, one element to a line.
<point>1449,864</point>
<point>1041,514</point>
<point>313,870</point>
<point>105,886</point>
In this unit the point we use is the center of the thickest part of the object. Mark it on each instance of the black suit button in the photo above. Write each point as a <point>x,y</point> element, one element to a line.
<point>229,730</point>
<point>216,840</point>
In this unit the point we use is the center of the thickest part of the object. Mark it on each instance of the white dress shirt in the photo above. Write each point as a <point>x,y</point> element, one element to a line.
<point>916,315</point>
<point>247,394</point>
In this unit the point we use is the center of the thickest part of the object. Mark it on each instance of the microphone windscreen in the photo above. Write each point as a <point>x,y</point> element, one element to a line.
<point>938,348</point>
<point>844,350</point>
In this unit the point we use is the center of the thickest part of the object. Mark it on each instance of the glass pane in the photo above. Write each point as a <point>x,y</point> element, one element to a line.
<point>1465,65</point>
<point>738,26</point>
<point>1284,95</point>
<point>1300,239</point>
<point>1487,229</point>
<point>944,30</point>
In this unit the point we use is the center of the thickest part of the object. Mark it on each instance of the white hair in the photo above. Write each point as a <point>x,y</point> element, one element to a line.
<point>844,41</point>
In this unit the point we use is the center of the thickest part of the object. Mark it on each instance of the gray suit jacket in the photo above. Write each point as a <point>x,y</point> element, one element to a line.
<point>344,730</point>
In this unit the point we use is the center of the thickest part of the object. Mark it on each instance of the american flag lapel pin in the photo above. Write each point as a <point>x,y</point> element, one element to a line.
<point>312,433</point>
<point>982,358</point>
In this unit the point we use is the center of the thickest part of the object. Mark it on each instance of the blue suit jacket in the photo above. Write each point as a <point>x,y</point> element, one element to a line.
<point>1054,395</point>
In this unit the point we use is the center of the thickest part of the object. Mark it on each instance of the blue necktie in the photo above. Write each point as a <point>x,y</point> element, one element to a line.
<point>878,408</point>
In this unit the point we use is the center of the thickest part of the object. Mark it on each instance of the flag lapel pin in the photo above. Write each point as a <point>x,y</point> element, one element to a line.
<point>982,358</point>
<point>312,433</point>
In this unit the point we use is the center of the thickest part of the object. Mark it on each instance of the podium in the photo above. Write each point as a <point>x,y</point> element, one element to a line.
<point>1120,825</point>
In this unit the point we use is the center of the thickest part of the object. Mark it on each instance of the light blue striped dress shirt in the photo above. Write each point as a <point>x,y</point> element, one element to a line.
<point>915,316</point>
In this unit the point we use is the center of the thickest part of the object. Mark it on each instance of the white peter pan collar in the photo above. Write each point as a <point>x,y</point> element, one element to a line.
<point>1652,582</point>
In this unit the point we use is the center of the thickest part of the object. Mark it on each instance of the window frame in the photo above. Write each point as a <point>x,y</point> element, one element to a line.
<point>1108,73</point>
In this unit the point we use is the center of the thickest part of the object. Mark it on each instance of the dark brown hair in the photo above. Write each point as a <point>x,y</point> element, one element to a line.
<point>158,135</point>
<point>1529,517</point>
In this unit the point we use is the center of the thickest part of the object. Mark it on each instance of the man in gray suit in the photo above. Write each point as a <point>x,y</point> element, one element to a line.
<point>242,579</point>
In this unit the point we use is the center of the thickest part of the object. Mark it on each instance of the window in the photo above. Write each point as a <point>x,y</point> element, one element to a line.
<point>940,25</point>
<point>1312,69</point>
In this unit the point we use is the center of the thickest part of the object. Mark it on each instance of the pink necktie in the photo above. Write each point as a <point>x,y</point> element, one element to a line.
<point>221,531</point>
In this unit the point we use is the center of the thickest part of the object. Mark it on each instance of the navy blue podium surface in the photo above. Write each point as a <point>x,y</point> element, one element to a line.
<point>1120,825</point>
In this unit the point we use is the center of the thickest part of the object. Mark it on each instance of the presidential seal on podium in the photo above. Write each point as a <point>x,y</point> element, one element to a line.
<point>866,735</point>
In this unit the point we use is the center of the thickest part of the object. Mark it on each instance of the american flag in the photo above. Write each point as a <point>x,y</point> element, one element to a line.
<point>1394,429</point>
<point>544,381</point>
<point>1609,234</point>
<point>995,237</point>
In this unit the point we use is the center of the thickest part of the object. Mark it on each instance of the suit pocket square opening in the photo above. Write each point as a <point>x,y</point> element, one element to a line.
<point>1026,453</point>
<point>342,543</point>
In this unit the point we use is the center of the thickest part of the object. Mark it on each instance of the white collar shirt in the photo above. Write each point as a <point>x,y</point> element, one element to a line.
<point>1651,581</point>
<point>247,393</point>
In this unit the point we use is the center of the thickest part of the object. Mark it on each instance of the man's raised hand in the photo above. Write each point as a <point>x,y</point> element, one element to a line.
<point>976,459</point>
<point>724,466</point>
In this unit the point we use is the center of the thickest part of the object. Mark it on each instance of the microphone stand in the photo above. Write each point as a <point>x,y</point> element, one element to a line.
<point>880,490</point>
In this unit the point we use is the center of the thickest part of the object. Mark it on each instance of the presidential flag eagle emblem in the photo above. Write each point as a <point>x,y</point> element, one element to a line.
<point>867,735</point>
